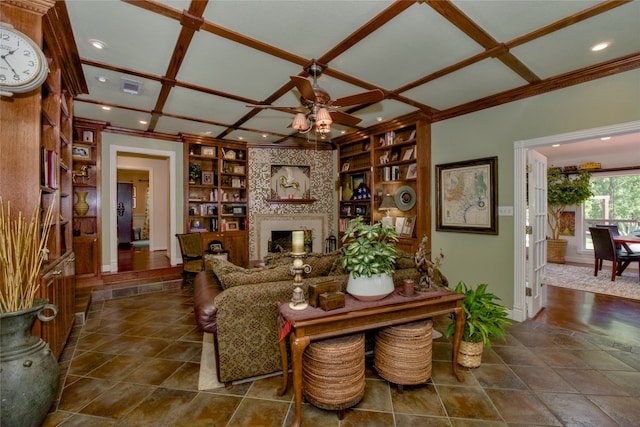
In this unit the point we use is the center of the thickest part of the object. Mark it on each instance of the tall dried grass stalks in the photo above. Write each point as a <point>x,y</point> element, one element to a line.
<point>23,248</point>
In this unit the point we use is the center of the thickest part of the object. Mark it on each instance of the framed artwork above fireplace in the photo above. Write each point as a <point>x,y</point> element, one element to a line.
<point>290,183</point>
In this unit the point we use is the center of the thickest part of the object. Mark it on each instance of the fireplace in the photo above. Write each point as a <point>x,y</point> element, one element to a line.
<point>266,224</point>
<point>281,241</point>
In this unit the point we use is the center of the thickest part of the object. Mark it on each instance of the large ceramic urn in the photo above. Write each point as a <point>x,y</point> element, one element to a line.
<point>371,288</point>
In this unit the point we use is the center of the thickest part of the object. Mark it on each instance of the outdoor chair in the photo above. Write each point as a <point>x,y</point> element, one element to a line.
<point>604,248</point>
<point>191,249</point>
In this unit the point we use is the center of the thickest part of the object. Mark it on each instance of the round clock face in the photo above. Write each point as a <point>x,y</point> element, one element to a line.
<point>23,66</point>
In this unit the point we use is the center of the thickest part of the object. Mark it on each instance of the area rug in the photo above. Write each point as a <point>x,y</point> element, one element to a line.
<point>208,380</point>
<point>582,279</point>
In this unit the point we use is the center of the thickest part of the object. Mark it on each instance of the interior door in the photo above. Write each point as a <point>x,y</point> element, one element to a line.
<point>537,197</point>
<point>125,214</point>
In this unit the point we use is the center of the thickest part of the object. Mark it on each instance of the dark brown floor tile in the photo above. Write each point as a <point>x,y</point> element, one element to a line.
<point>143,330</point>
<point>118,401</point>
<point>134,346</point>
<point>184,351</point>
<point>235,390</point>
<point>193,334</point>
<point>441,351</point>
<point>589,381</point>
<point>518,355</point>
<point>208,410</point>
<point>630,359</point>
<point>497,376</point>
<point>186,377</point>
<point>543,378</point>
<point>88,361</point>
<point>258,412</point>
<point>560,358</point>
<point>175,332</point>
<point>534,339</point>
<point>117,368</point>
<point>81,392</point>
<point>576,410</point>
<point>490,356</point>
<point>81,420</point>
<point>629,381</point>
<point>599,359</point>
<point>376,396</point>
<point>267,388</point>
<point>94,340</point>
<point>458,422</point>
<point>442,374</point>
<point>162,407</point>
<point>153,371</point>
<point>624,410</point>
<point>467,402</point>
<point>356,417</point>
<point>406,420</point>
<point>417,400</point>
<point>520,406</point>
<point>313,416</point>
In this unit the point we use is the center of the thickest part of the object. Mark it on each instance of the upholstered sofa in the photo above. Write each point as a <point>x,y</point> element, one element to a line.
<point>240,307</point>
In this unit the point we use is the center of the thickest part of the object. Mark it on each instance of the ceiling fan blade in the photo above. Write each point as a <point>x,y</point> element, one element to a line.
<point>359,98</point>
<point>344,118</point>
<point>292,110</point>
<point>305,87</point>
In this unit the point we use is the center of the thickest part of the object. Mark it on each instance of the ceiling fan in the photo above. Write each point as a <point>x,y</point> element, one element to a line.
<point>318,110</point>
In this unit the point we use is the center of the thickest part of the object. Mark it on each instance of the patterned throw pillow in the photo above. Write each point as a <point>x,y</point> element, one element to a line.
<point>256,275</point>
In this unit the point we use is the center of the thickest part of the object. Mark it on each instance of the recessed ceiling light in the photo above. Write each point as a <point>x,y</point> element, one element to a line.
<point>106,108</point>
<point>240,138</point>
<point>600,46</point>
<point>143,122</point>
<point>98,44</point>
<point>379,119</point>
<point>556,145</point>
<point>102,79</point>
<point>342,132</point>
<point>606,138</point>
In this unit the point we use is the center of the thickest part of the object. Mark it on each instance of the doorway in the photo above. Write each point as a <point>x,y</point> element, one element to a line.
<point>520,194</point>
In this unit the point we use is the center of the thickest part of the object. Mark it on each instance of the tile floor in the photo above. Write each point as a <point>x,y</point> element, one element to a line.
<point>135,363</point>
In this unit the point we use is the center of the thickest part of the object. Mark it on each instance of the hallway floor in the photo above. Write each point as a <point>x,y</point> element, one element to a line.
<point>136,361</point>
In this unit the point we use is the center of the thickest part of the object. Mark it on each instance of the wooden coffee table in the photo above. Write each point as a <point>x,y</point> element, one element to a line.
<point>313,324</point>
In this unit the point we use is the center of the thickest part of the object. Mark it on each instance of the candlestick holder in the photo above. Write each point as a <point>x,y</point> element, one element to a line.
<point>297,269</point>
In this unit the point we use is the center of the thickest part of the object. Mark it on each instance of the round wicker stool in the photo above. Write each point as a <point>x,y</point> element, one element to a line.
<point>333,373</point>
<point>402,353</point>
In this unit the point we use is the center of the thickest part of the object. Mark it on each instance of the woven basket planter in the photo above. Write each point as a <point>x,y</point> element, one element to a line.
<point>333,372</point>
<point>470,354</point>
<point>402,353</point>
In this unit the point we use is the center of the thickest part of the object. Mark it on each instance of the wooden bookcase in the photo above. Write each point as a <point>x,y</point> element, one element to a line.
<point>390,158</point>
<point>216,197</point>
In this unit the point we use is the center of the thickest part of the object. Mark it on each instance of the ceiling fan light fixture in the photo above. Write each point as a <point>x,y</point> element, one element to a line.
<point>323,117</point>
<point>300,122</point>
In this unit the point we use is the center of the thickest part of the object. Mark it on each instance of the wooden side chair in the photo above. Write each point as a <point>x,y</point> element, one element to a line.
<point>191,249</point>
<point>604,248</point>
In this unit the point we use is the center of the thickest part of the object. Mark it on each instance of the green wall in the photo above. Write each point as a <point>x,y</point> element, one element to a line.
<point>477,258</point>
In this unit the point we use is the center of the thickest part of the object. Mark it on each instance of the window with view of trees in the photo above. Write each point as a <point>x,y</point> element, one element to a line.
<point>616,200</point>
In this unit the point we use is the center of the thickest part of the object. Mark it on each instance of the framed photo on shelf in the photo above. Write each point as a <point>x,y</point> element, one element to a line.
<point>238,169</point>
<point>208,151</point>
<point>345,166</point>
<point>87,136</point>
<point>356,180</point>
<point>207,177</point>
<point>412,171</point>
<point>467,196</point>
<point>407,153</point>
<point>407,227</point>
<point>232,225</point>
<point>81,151</point>
<point>399,224</point>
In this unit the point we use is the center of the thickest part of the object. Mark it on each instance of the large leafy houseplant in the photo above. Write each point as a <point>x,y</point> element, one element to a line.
<point>485,318</point>
<point>564,190</point>
<point>369,248</point>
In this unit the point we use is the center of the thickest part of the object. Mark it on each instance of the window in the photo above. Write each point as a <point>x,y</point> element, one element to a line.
<point>616,201</point>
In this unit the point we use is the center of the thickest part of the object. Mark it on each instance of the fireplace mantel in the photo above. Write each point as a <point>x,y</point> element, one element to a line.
<point>266,223</point>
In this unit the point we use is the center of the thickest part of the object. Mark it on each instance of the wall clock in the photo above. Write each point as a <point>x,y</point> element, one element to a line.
<point>23,66</point>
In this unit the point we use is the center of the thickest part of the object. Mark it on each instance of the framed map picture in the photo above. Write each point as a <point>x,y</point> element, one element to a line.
<point>467,196</point>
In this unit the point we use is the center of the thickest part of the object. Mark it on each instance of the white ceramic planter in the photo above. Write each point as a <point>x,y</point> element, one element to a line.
<point>370,288</point>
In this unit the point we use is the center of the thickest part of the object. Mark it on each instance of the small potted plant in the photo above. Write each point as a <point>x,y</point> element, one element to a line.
<point>563,190</point>
<point>195,171</point>
<point>485,320</point>
<point>369,255</point>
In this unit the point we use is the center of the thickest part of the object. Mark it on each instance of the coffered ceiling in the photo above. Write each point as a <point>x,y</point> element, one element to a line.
<point>200,63</point>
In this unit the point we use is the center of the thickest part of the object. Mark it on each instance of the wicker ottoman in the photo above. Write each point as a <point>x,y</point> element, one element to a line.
<point>333,373</point>
<point>402,353</point>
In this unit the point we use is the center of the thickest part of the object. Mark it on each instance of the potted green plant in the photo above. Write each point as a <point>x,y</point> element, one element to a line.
<point>369,255</point>
<point>27,388</point>
<point>195,171</point>
<point>563,190</point>
<point>485,320</point>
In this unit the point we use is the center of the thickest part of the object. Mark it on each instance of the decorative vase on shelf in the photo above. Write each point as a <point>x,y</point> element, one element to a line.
<point>81,207</point>
<point>29,372</point>
<point>347,192</point>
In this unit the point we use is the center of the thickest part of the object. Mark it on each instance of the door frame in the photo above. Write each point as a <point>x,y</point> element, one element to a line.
<point>172,249</point>
<point>520,203</point>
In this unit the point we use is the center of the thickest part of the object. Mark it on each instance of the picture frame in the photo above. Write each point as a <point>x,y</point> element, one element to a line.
<point>81,151</point>
<point>356,180</point>
<point>208,151</point>
<point>215,247</point>
<point>407,153</point>
<point>290,182</point>
<point>412,171</point>
<point>399,224</point>
<point>232,225</point>
<point>345,166</point>
<point>467,196</point>
<point>87,136</point>
<point>407,227</point>
<point>239,169</point>
<point>207,177</point>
